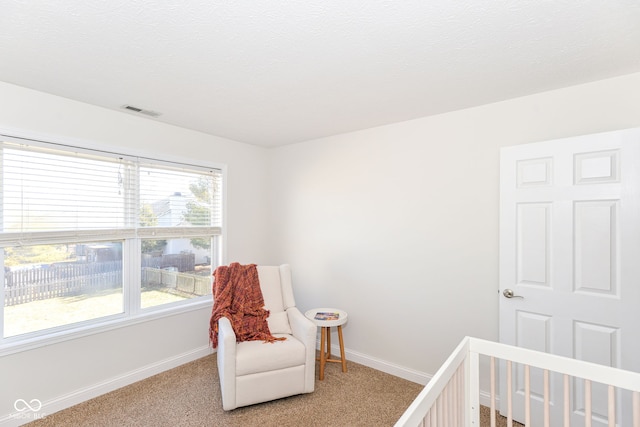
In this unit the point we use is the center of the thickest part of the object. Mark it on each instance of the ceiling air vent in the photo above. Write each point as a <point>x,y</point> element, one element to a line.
<point>141,111</point>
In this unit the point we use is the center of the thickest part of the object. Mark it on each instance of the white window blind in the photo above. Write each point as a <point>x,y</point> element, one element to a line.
<point>183,200</point>
<point>57,193</point>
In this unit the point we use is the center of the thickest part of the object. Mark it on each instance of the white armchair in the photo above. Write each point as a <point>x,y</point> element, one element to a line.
<point>255,371</point>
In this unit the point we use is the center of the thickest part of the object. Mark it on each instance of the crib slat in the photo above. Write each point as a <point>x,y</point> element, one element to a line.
<point>461,379</point>
<point>567,402</point>
<point>527,396</point>
<point>433,417</point>
<point>509,395</point>
<point>587,403</point>
<point>546,399</point>
<point>456,397</point>
<point>452,402</point>
<point>461,397</point>
<point>493,392</point>
<point>636,409</point>
<point>446,399</point>
<point>612,406</point>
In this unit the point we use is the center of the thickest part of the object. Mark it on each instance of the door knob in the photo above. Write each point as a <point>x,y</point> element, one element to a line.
<point>508,293</point>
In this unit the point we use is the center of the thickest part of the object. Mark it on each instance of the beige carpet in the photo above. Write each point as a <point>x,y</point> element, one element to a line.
<point>190,396</point>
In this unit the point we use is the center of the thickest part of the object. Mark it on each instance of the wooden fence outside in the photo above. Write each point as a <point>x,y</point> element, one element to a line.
<point>174,280</point>
<point>181,262</point>
<point>22,286</point>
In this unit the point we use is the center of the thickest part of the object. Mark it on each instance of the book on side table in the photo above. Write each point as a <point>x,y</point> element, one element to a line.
<point>325,315</point>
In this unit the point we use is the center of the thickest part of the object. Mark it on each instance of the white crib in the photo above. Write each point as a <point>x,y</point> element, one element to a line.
<point>452,396</point>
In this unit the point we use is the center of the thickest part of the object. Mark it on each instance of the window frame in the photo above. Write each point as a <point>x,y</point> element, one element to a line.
<point>132,313</point>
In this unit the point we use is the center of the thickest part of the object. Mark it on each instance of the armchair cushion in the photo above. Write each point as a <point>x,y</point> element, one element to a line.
<point>279,323</point>
<point>258,356</point>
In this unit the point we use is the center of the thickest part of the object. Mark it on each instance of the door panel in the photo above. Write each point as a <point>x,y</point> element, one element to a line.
<point>569,246</point>
<point>595,251</point>
<point>533,243</point>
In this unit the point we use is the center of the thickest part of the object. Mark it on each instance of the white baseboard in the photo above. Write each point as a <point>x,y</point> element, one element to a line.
<point>485,399</point>
<point>381,365</point>
<point>384,366</point>
<point>399,371</point>
<point>95,390</point>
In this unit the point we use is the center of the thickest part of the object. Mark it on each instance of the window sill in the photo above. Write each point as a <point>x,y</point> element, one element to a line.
<point>16,344</point>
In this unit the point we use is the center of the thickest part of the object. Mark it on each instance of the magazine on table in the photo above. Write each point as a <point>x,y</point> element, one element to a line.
<point>327,315</point>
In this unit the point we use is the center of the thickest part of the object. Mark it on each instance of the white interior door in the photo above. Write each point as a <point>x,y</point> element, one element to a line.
<point>570,255</point>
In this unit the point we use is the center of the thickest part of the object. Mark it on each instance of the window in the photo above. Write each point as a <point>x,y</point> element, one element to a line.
<point>89,236</point>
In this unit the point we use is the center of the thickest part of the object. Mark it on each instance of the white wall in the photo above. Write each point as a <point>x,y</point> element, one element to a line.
<point>94,364</point>
<point>398,225</point>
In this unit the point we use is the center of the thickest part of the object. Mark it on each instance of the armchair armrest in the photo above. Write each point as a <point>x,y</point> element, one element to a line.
<point>226,355</point>
<point>306,331</point>
<point>301,327</point>
<point>226,335</point>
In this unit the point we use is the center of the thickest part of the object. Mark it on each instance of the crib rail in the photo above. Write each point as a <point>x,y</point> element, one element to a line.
<point>452,396</point>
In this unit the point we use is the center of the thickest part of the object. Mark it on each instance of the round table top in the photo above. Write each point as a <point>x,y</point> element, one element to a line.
<point>326,317</point>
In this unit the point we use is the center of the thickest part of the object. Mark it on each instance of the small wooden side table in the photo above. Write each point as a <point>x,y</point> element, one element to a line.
<point>325,318</point>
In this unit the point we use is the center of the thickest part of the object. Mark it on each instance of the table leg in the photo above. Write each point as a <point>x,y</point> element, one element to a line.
<point>323,334</point>
<point>328,344</point>
<point>344,360</point>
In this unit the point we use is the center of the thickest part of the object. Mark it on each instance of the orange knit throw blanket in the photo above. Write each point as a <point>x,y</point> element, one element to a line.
<point>237,296</point>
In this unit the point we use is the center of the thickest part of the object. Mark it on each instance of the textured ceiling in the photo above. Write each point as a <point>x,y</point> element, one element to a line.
<point>277,72</point>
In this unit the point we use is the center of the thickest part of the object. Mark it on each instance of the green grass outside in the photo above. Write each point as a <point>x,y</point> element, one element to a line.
<point>48,313</point>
